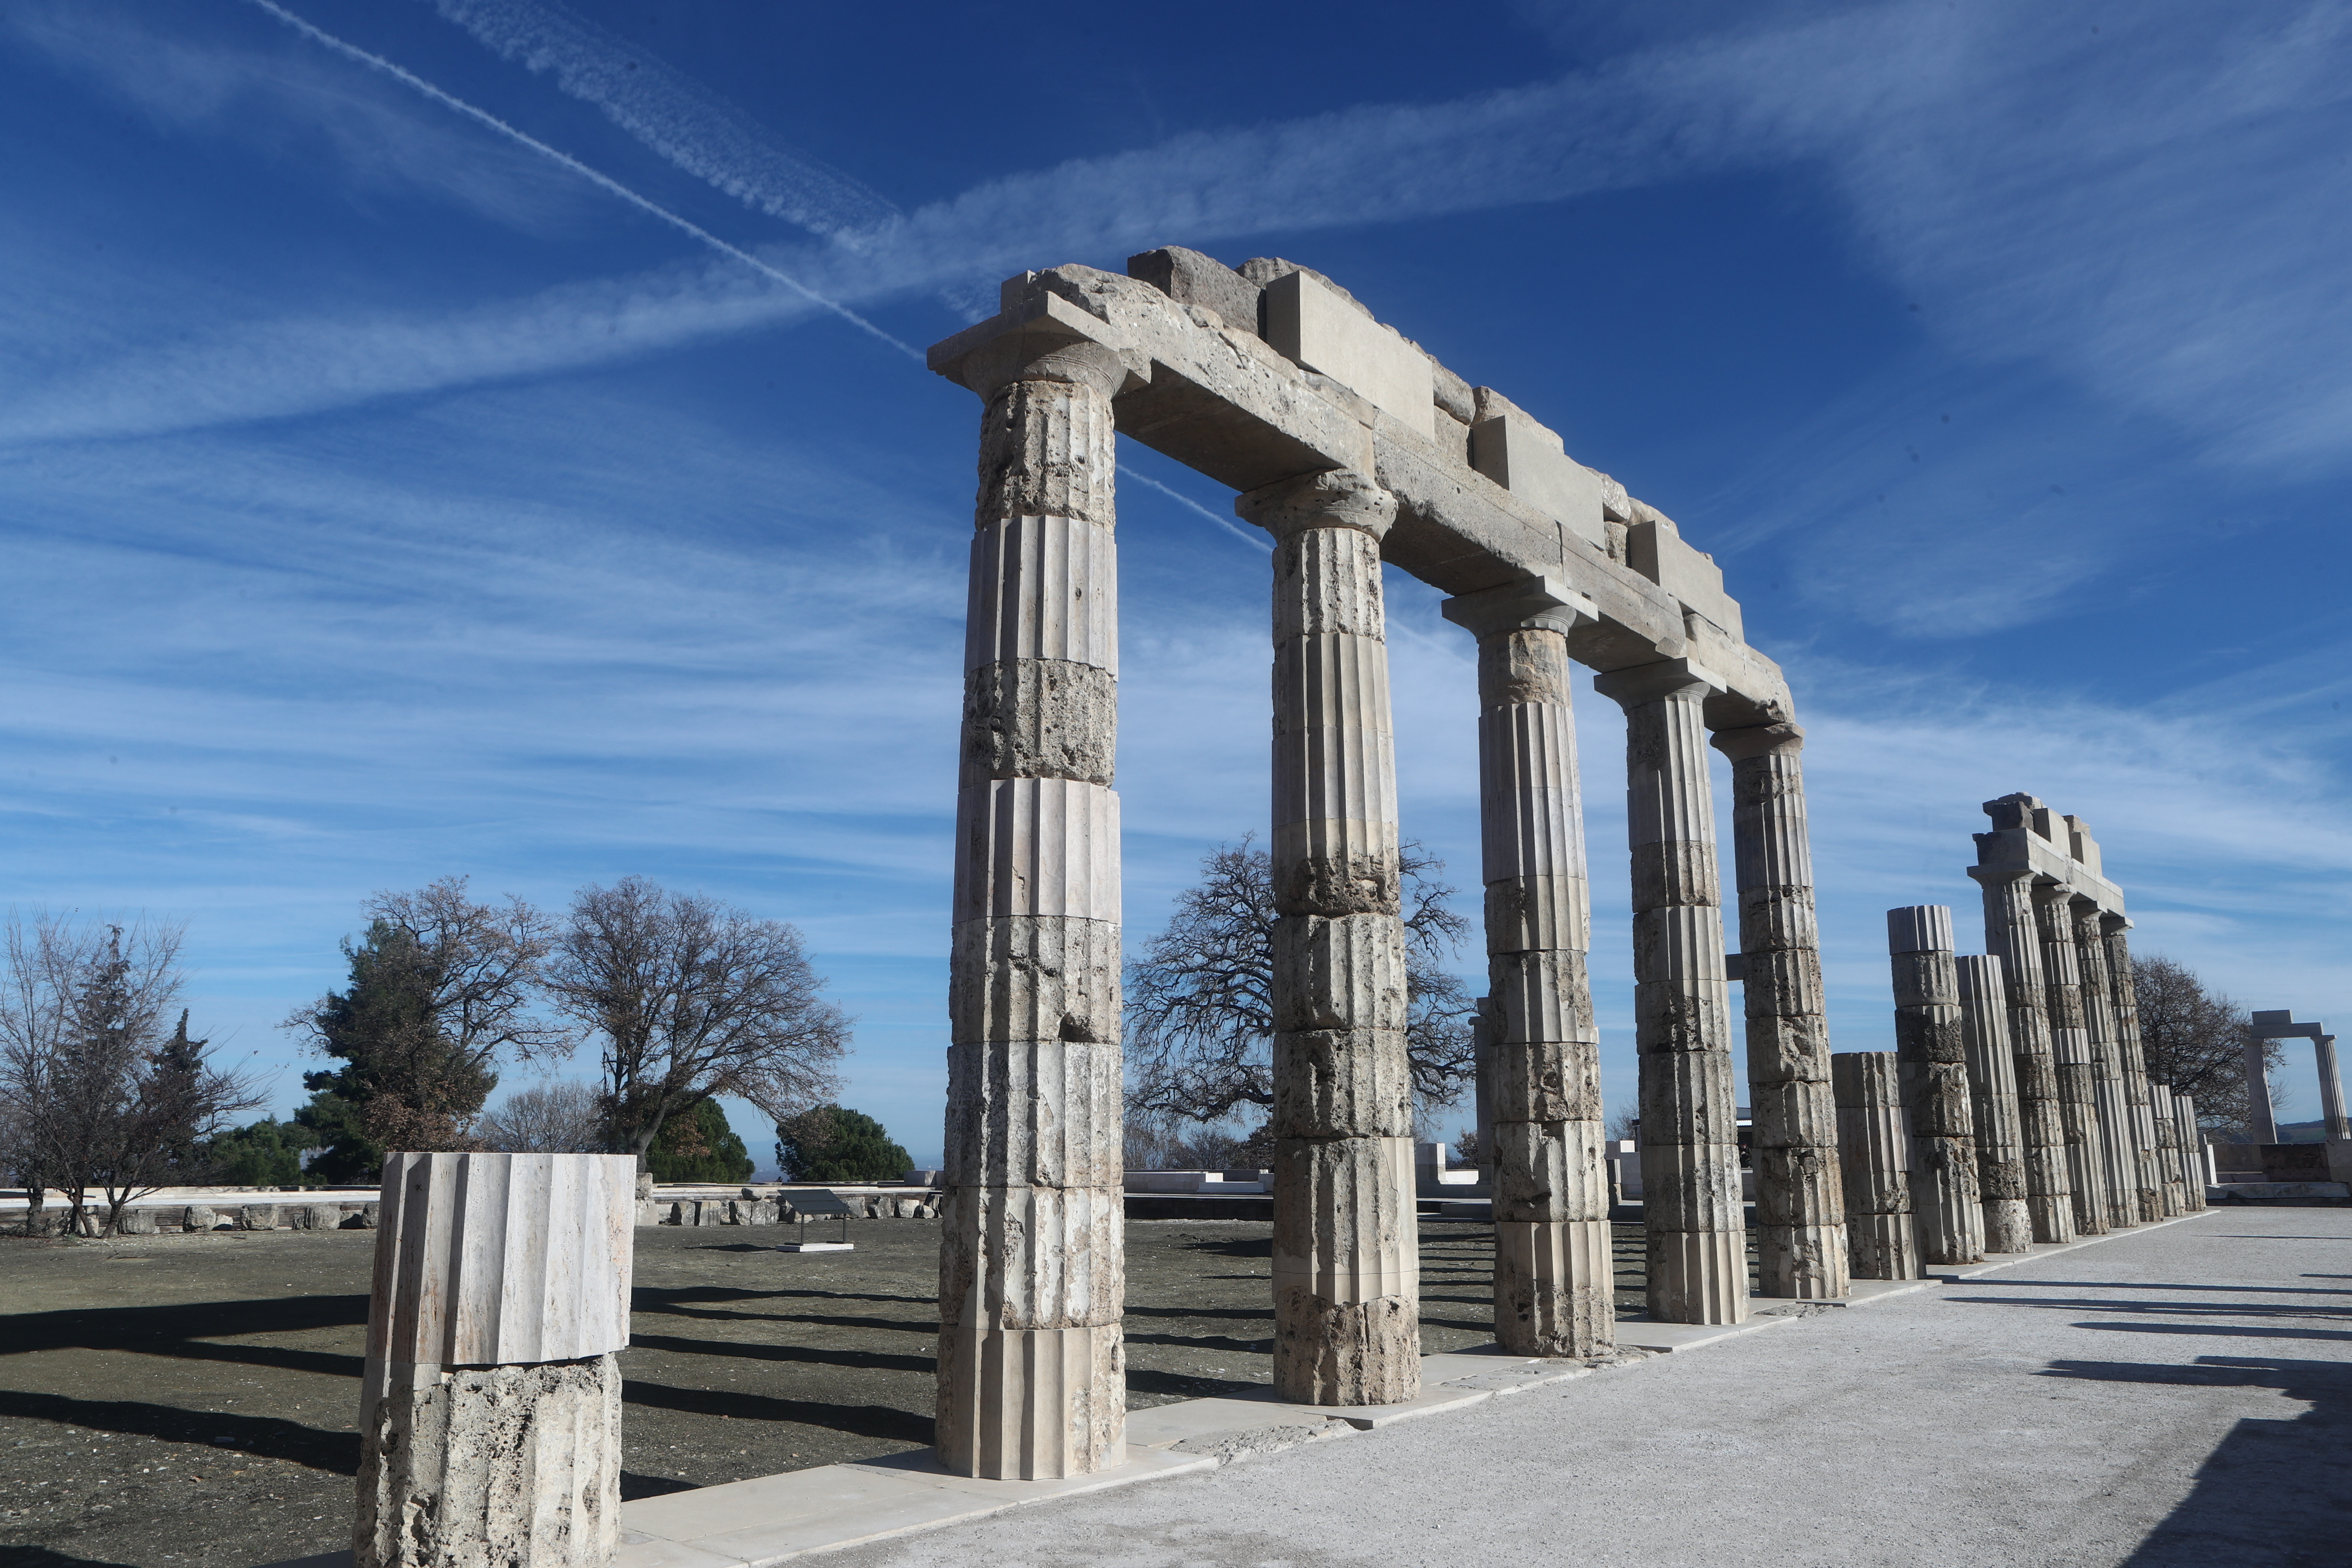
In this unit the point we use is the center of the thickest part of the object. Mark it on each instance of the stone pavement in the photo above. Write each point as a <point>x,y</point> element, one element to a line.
<point>2182,1396</point>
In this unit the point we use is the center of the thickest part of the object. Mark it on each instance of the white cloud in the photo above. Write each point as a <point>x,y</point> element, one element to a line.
<point>676,116</point>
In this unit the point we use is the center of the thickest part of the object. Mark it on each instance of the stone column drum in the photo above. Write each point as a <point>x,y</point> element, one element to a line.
<point>491,1403</point>
<point>2117,1142</point>
<point>2012,935</point>
<point>1948,1214</point>
<point>1694,1216</point>
<point>1992,1104</point>
<point>2331,1088</point>
<point>1874,1163</point>
<point>2131,1058</point>
<point>2262,1119</point>
<point>1554,1275</point>
<point>2192,1150</point>
<point>1799,1197</point>
<point>2170,1166</point>
<point>1031,1381</point>
<point>2069,1049</point>
<point>1346,1270</point>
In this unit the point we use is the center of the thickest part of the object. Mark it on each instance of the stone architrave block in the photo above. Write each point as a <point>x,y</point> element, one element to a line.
<point>1529,460</point>
<point>1319,329</point>
<point>139,1222</point>
<point>1654,548</point>
<point>1189,278</point>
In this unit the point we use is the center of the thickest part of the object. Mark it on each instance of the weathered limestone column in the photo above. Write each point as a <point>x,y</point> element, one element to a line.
<point>1694,1215</point>
<point>2169,1164</point>
<point>1347,1294</point>
<point>2331,1088</point>
<point>1947,1213</point>
<point>2262,1119</point>
<point>2192,1150</point>
<point>1874,1163</point>
<point>491,1403</point>
<point>2070,1048</point>
<point>2121,1154</point>
<point>1792,1115</point>
<point>2131,1056</point>
<point>1992,1102</point>
<point>2012,935</point>
<point>1554,1278</point>
<point>1032,1380</point>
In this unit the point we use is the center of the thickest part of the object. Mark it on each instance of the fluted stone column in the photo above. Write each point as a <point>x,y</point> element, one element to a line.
<point>2261,1117</point>
<point>1554,1282</point>
<point>1694,1216</point>
<point>490,1402</point>
<point>1874,1164</point>
<point>2070,1048</point>
<point>1346,1270</point>
<point>2331,1088</point>
<point>2131,1058</point>
<point>1032,1382</point>
<point>2170,1167</point>
<point>1947,1213</point>
<point>2192,1150</point>
<point>1801,1239</point>
<point>2121,1169</point>
<point>2012,935</point>
<point>1992,1104</point>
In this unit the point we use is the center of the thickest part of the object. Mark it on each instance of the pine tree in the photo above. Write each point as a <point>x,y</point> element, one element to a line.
<point>832,1143</point>
<point>698,1145</point>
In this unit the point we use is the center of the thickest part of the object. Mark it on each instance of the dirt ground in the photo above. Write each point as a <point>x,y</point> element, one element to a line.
<point>191,1400</point>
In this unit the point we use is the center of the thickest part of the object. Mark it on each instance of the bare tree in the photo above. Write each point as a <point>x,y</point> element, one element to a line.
<point>98,1098</point>
<point>693,997</point>
<point>1200,1002</point>
<point>553,1119</point>
<point>440,993</point>
<point>2195,1040</point>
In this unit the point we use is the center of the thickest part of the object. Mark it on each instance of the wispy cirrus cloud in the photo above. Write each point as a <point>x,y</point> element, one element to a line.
<point>677,116</point>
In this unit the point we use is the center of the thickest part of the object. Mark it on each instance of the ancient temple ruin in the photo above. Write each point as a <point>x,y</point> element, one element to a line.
<point>1352,447</point>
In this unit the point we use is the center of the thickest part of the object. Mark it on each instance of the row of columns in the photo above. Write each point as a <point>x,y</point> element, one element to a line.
<point>1030,1369</point>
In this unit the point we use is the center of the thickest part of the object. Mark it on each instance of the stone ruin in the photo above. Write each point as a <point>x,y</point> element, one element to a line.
<point>2015,1108</point>
<point>1353,448</point>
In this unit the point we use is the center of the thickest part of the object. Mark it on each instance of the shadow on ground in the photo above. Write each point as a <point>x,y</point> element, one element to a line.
<point>2272,1492</point>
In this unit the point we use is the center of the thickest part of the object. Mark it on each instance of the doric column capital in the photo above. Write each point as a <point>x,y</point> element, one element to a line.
<point>1536,604</point>
<point>1991,875</point>
<point>1041,356</point>
<point>1760,739</point>
<point>1667,678</point>
<point>2052,893</point>
<point>2114,924</point>
<point>1337,498</point>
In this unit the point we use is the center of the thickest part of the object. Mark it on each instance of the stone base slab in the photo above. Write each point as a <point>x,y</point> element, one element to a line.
<point>1938,1272</point>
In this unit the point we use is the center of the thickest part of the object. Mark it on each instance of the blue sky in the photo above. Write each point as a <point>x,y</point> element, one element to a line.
<point>469,438</point>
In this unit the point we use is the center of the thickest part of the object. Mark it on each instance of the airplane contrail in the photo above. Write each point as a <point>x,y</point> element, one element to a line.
<point>603,181</point>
